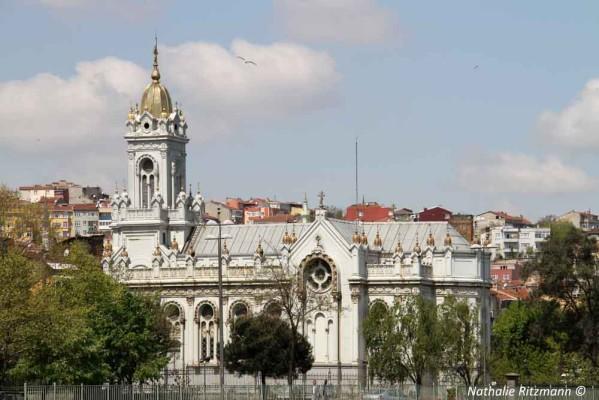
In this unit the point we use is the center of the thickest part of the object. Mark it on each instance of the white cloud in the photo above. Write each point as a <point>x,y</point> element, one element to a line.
<point>287,80</point>
<point>72,120</point>
<point>341,21</point>
<point>577,125</point>
<point>48,111</point>
<point>520,173</point>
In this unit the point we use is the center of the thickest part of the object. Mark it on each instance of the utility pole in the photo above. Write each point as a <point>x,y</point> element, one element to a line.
<point>221,344</point>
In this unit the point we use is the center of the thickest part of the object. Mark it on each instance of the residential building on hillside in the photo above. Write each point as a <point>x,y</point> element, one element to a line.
<point>369,212</point>
<point>483,223</point>
<point>463,223</point>
<point>104,215</point>
<point>511,242</point>
<point>212,208</point>
<point>506,273</point>
<point>85,219</point>
<point>584,220</point>
<point>61,220</point>
<point>434,214</point>
<point>64,190</point>
<point>403,214</point>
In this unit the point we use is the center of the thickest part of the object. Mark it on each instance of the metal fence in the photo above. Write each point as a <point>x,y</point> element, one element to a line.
<point>212,392</point>
<point>282,392</point>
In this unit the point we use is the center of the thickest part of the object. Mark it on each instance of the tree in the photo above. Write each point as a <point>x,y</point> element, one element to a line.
<point>409,342</point>
<point>81,326</point>
<point>568,265</point>
<point>528,338</point>
<point>261,344</point>
<point>547,221</point>
<point>18,275</point>
<point>379,330</point>
<point>20,220</point>
<point>463,346</point>
<point>295,300</point>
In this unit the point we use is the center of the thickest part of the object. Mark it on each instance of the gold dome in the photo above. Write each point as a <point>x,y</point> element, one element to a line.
<point>156,99</point>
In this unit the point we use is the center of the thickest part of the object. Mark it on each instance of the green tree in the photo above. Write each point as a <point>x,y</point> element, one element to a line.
<point>81,326</point>
<point>409,344</point>
<point>18,275</point>
<point>528,338</point>
<point>379,333</point>
<point>463,346</point>
<point>261,344</point>
<point>567,266</point>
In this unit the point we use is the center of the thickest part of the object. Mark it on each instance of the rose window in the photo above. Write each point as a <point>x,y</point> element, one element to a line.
<point>318,276</point>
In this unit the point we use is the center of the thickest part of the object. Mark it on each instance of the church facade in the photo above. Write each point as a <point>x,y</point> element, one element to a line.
<point>160,243</point>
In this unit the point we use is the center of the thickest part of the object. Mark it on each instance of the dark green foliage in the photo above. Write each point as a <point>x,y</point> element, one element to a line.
<point>568,268</point>
<point>262,344</point>
<point>80,326</point>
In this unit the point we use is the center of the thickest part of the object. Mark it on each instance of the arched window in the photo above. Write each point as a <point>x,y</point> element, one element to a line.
<point>174,317</point>
<point>207,325</point>
<point>148,179</point>
<point>238,310</point>
<point>378,308</point>
<point>273,309</point>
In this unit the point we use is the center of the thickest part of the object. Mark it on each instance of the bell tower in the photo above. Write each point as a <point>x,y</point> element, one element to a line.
<point>154,215</point>
<point>156,138</point>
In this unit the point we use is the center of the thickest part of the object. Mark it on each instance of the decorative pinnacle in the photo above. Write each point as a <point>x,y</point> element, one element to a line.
<point>155,71</point>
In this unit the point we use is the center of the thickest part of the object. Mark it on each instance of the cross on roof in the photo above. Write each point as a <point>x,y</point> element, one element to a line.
<point>321,197</point>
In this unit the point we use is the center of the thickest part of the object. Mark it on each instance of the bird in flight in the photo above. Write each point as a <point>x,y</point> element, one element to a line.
<point>246,61</point>
<point>476,67</point>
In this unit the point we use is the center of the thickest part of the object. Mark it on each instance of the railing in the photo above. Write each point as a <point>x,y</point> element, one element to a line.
<point>134,214</point>
<point>308,391</point>
<point>381,269</point>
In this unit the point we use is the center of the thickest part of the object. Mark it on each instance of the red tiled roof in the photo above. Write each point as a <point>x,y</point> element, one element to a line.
<point>510,293</point>
<point>371,212</point>
<point>61,207</point>
<point>512,218</point>
<point>84,207</point>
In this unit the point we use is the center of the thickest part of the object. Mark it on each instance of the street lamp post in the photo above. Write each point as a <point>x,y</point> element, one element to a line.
<point>221,340</point>
<point>221,351</point>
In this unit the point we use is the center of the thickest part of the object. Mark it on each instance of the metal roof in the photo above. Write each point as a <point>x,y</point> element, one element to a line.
<point>245,238</point>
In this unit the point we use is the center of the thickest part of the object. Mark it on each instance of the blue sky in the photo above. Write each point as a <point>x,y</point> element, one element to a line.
<point>467,104</point>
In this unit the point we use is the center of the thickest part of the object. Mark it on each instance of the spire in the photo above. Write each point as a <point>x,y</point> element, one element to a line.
<point>155,71</point>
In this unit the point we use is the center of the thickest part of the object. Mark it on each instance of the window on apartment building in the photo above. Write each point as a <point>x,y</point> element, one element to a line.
<point>65,224</point>
<point>506,277</point>
<point>77,223</point>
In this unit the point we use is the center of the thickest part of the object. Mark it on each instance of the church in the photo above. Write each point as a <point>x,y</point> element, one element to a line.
<point>161,243</point>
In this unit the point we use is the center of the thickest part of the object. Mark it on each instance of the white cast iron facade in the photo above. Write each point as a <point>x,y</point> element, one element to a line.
<point>160,243</point>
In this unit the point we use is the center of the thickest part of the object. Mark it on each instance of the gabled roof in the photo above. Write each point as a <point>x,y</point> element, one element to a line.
<point>406,232</point>
<point>245,238</point>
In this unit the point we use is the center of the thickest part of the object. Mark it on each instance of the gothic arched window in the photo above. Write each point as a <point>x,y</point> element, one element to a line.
<point>273,309</point>
<point>174,317</point>
<point>207,325</point>
<point>239,309</point>
<point>148,180</point>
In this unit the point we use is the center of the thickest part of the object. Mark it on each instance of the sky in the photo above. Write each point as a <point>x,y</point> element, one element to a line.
<point>466,104</point>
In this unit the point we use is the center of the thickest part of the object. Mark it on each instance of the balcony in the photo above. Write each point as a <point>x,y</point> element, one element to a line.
<point>141,214</point>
